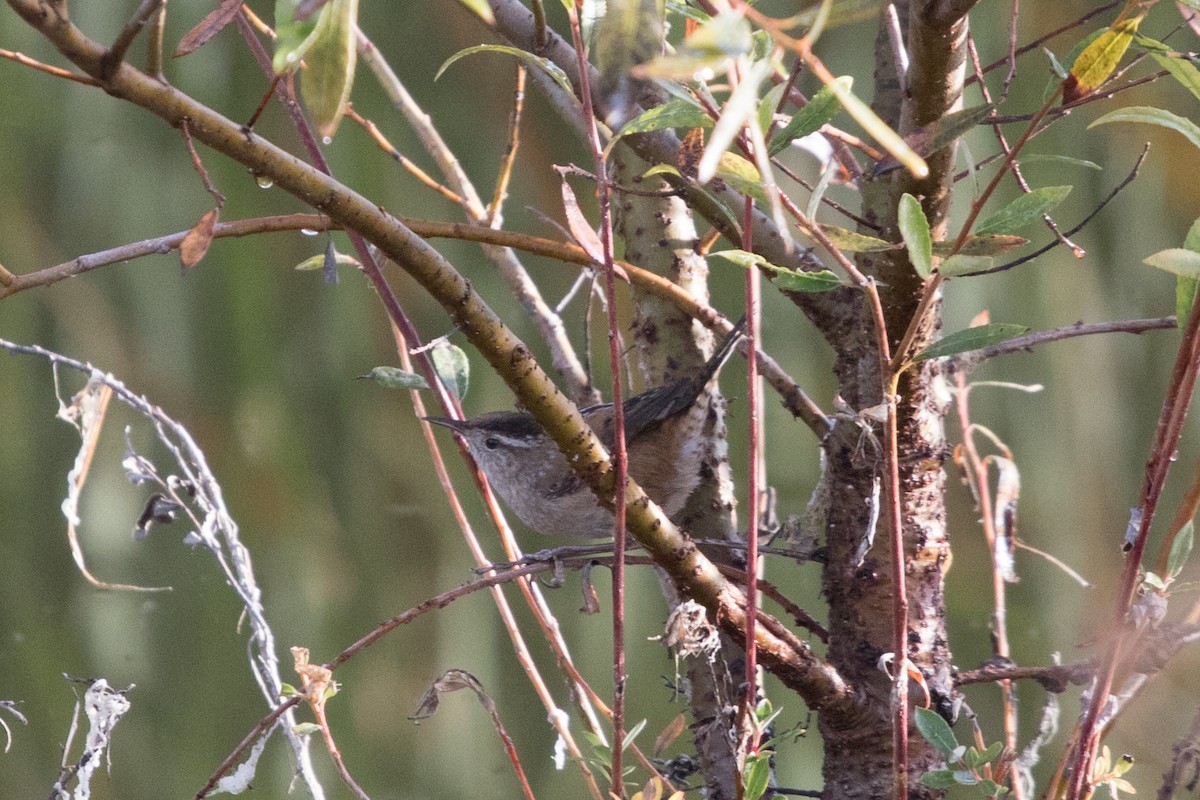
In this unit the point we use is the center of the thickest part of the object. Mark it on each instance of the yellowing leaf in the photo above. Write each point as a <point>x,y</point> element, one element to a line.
<point>851,242</point>
<point>330,61</point>
<point>742,175</point>
<point>1099,60</point>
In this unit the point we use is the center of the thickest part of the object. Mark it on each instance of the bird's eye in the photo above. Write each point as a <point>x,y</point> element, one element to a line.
<point>491,443</point>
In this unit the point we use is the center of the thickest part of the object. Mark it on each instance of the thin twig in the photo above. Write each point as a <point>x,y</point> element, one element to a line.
<point>199,165</point>
<point>57,72</point>
<point>619,456</point>
<point>1133,173</point>
<point>424,177</point>
<point>500,193</point>
<point>977,470</point>
<point>550,327</point>
<point>141,17</point>
<point>1028,341</point>
<point>795,399</point>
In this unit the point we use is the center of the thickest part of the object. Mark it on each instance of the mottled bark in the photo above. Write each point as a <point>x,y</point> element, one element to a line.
<point>659,234</point>
<point>860,592</point>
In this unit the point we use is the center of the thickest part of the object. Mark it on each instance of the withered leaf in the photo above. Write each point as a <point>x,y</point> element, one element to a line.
<point>197,241</point>
<point>208,27</point>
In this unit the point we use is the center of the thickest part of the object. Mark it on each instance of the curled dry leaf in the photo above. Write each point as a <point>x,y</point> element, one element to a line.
<point>197,241</point>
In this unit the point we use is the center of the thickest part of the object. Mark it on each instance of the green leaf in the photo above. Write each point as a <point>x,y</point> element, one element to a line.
<point>727,34</point>
<point>1185,288</point>
<point>544,64</point>
<point>1176,260</point>
<point>1178,64</point>
<point>1185,299</point>
<point>992,753</point>
<point>756,777</point>
<point>767,106</point>
<point>1181,548</point>
<point>326,83</point>
<point>879,130</point>
<point>939,779</point>
<point>970,339</point>
<point>292,37</point>
<point>990,788</point>
<point>452,368</point>
<point>744,259</point>
<point>1099,59</point>
<point>1057,66</point>
<point>1192,240</point>
<point>1027,208</point>
<point>1153,116</point>
<point>914,229</point>
<point>738,112</point>
<point>674,113</point>
<point>851,242</point>
<point>822,108</point>
<point>964,777</point>
<point>305,728</point>
<point>818,281</point>
<point>1050,158</point>
<point>395,378</point>
<point>941,133</point>
<point>935,730</point>
<point>632,734</point>
<point>1153,581</point>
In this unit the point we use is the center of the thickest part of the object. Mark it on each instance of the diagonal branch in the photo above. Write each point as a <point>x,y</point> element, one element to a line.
<point>787,657</point>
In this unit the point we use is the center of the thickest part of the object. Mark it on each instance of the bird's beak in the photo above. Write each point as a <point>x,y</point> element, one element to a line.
<point>458,425</point>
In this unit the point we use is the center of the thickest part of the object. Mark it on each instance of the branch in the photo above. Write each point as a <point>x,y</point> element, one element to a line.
<point>794,398</point>
<point>1053,679</point>
<point>788,658</point>
<point>1031,340</point>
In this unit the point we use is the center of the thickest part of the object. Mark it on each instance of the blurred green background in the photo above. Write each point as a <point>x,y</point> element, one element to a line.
<point>330,481</point>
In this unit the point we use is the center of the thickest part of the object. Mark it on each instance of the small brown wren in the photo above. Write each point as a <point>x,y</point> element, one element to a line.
<point>664,446</point>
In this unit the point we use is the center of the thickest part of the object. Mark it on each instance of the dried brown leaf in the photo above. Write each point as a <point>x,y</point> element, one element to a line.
<point>582,231</point>
<point>208,27</point>
<point>669,734</point>
<point>197,241</point>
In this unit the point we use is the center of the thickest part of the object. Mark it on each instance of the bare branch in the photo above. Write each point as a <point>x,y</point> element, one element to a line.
<point>1031,340</point>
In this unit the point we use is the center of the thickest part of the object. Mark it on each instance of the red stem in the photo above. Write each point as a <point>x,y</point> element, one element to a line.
<point>753,290</point>
<point>1166,439</point>
<point>620,463</point>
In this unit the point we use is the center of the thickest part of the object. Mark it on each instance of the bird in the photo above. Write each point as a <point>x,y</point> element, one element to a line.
<point>665,445</point>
